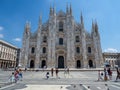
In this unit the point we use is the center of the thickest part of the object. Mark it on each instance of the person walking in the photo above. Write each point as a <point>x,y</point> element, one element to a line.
<point>100,74</point>
<point>118,73</point>
<point>16,75</point>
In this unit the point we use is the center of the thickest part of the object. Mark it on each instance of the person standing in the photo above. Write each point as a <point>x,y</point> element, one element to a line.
<point>57,72</point>
<point>68,71</point>
<point>20,74</point>
<point>105,74</point>
<point>52,70</point>
<point>109,73</point>
<point>12,78</point>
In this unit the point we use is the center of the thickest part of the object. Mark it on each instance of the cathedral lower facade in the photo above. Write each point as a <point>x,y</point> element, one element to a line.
<point>61,42</point>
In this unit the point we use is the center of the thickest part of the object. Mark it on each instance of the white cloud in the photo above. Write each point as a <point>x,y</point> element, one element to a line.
<point>1,36</point>
<point>1,28</point>
<point>111,50</point>
<point>17,39</point>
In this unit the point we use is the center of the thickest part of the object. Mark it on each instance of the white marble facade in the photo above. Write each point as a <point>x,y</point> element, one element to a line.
<point>61,42</point>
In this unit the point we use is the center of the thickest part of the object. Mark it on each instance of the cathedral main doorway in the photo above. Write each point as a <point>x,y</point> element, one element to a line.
<point>43,63</point>
<point>32,64</point>
<point>60,62</point>
<point>78,64</point>
<point>90,63</point>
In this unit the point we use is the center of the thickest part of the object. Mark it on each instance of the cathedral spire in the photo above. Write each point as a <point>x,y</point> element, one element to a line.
<point>67,11</point>
<point>93,25</point>
<point>27,27</point>
<point>96,29</point>
<point>51,10</point>
<point>40,19</point>
<point>54,10</point>
<point>70,9</point>
<point>82,22</point>
<point>96,26</point>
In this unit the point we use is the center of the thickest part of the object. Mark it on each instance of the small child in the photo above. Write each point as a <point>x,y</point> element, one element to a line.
<point>47,75</point>
<point>12,78</point>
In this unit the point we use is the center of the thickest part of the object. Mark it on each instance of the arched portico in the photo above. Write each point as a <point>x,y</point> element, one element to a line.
<point>43,63</point>
<point>90,63</point>
<point>60,62</point>
<point>78,64</point>
<point>32,64</point>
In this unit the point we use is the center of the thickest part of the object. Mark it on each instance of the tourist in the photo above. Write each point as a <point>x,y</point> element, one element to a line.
<point>16,75</point>
<point>57,72</point>
<point>20,74</point>
<point>12,78</point>
<point>67,70</point>
<point>109,73</point>
<point>44,67</point>
<point>47,75</point>
<point>100,75</point>
<point>25,69</point>
<point>118,73</point>
<point>52,70</point>
<point>105,75</point>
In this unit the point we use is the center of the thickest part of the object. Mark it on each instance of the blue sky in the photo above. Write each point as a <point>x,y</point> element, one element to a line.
<point>15,13</point>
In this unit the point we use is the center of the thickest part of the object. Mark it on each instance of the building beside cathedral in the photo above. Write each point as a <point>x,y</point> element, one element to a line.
<point>61,42</point>
<point>8,55</point>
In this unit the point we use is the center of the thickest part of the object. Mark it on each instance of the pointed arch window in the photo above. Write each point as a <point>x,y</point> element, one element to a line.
<point>44,49</point>
<point>77,49</point>
<point>32,50</point>
<point>77,39</point>
<point>44,39</point>
<point>89,49</point>
<point>60,41</point>
<point>61,26</point>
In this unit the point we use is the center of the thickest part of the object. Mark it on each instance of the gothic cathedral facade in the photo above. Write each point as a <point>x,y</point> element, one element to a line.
<point>61,42</point>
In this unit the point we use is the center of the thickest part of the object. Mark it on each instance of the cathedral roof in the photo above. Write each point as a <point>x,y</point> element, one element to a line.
<point>61,14</point>
<point>45,26</point>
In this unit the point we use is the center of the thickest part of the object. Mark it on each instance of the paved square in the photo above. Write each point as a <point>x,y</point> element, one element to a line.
<point>75,80</point>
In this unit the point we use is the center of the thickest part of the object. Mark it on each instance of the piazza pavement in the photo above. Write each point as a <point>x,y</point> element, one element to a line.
<point>77,79</point>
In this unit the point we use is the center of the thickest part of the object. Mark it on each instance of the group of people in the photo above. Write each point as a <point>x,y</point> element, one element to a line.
<point>107,74</point>
<point>16,75</point>
<point>66,71</point>
<point>52,73</point>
